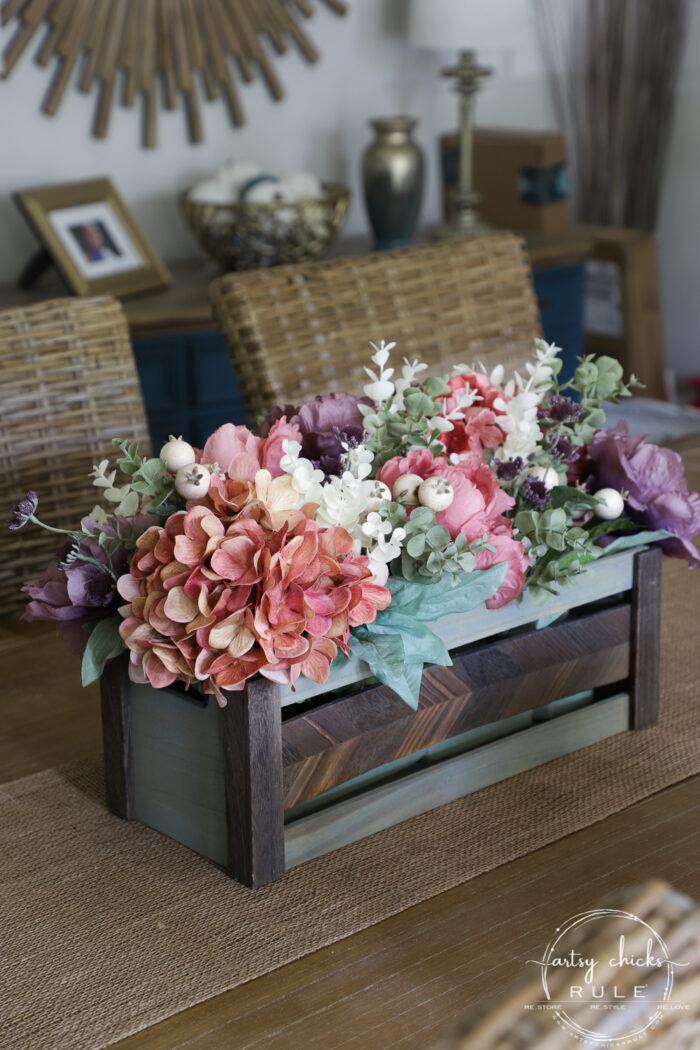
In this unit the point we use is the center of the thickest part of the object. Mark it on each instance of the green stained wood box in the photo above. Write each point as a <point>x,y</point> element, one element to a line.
<point>278,777</point>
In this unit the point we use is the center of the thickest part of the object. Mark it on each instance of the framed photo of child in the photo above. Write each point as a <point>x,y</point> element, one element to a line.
<point>93,239</point>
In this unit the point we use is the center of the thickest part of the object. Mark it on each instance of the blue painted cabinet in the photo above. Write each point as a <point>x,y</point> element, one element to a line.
<point>190,388</point>
<point>560,297</point>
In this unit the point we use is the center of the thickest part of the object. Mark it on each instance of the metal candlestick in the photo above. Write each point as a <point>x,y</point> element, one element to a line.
<point>466,221</point>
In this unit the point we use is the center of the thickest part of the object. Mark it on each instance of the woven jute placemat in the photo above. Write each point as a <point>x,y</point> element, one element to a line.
<point>108,927</point>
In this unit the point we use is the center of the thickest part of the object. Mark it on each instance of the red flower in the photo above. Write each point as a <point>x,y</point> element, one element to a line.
<point>479,428</point>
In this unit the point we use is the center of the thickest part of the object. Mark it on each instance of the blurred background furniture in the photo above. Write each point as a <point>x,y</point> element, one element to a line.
<point>298,331</point>
<point>448,25</point>
<point>69,385</point>
<point>188,384</point>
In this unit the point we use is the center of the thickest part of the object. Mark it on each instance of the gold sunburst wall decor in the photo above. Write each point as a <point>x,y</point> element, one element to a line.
<point>134,51</point>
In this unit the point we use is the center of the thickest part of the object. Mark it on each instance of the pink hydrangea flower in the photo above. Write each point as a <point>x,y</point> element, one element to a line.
<point>217,602</point>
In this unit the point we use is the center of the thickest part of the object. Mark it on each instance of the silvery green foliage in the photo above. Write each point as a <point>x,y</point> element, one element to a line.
<point>428,550</point>
<point>598,379</point>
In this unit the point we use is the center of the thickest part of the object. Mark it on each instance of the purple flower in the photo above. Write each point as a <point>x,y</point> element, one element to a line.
<point>535,491</point>
<point>563,448</point>
<point>655,480</point>
<point>325,423</point>
<point>563,410</point>
<point>75,591</point>
<point>23,512</point>
<point>508,469</point>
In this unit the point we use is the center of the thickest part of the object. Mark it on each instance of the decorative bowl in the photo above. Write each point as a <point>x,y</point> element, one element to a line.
<point>245,235</point>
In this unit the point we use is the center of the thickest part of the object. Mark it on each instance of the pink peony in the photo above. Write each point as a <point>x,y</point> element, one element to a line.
<point>217,602</point>
<point>477,510</point>
<point>510,550</point>
<point>478,501</point>
<point>241,454</point>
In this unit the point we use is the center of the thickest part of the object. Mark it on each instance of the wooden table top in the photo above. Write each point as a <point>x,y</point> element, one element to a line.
<point>398,985</point>
<point>184,306</point>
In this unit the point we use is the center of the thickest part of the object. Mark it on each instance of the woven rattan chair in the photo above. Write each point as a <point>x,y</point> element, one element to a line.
<point>68,385</point>
<point>297,331</point>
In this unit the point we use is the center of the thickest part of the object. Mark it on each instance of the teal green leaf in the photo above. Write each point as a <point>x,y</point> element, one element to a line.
<point>636,539</point>
<point>104,644</point>
<point>426,600</point>
<point>398,643</point>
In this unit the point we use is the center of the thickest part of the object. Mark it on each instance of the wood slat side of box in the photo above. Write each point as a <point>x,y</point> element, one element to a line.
<point>447,781</point>
<point>612,575</point>
<point>344,738</point>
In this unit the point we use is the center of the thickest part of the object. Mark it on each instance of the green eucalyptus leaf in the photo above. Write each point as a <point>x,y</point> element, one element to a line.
<point>416,545</point>
<point>104,644</point>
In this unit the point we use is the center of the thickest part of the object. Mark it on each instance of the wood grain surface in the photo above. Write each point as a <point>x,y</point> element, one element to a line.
<point>646,624</point>
<point>401,984</point>
<point>253,784</point>
<point>117,739</point>
<point>331,744</point>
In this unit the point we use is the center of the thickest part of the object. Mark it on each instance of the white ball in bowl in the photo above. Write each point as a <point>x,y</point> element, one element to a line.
<point>237,172</point>
<point>212,191</point>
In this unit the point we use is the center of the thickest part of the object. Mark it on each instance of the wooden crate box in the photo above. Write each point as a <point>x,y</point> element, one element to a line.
<point>276,777</point>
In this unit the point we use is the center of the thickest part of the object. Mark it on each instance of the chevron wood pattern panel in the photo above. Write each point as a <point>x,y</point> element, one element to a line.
<point>342,739</point>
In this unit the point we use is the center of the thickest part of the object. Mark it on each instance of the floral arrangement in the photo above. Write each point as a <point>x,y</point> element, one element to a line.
<point>348,524</point>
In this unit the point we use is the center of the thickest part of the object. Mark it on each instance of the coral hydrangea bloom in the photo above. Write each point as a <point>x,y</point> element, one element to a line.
<point>217,602</point>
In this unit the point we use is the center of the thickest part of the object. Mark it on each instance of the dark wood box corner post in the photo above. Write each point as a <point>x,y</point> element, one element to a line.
<point>646,632</point>
<point>252,736</point>
<point>116,737</point>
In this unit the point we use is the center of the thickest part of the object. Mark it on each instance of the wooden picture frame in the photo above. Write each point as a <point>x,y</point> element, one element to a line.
<point>93,239</point>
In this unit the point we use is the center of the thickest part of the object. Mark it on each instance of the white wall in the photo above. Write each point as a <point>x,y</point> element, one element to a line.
<point>367,69</point>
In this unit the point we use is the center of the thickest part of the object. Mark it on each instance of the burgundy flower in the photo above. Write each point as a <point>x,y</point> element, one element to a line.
<point>508,469</point>
<point>74,591</point>
<point>274,415</point>
<point>562,410</point>
<point>655,481</point>
<point>326,423</point>
<point>23,512</point>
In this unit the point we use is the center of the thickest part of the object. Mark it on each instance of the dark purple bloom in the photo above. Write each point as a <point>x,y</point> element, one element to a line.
<point>326,423</point>
<point>655,481</point>
<point>75,591</point>
<point>563,410</point>
<point>535,491</point>
<point>274,415</point>
<point>23,511</point>
<point>508,469</point>
<point>564,449</point>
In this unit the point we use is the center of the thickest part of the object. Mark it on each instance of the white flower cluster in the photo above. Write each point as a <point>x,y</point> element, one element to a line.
<point>387,393</point>
<point>519,422</point>
<point>348,501</point>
